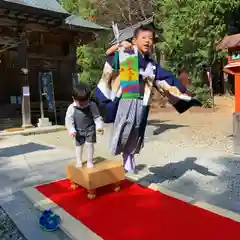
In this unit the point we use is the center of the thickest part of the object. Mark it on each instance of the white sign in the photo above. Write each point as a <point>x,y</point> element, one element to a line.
<point>13,99</point>
<point>26,91</point>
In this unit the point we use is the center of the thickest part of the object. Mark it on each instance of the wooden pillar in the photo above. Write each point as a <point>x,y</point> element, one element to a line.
<point>23,64</point>
<point>237,93</point>
<point>236,116</point>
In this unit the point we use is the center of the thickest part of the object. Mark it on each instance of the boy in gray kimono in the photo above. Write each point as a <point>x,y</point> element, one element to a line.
<point>82,122</point>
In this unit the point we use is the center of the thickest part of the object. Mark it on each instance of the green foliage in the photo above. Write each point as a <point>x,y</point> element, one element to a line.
<point>85,8</point>
<point>91,58</point>
<point>204,96</point>
<point>192,29</point>
<point>202,92</point>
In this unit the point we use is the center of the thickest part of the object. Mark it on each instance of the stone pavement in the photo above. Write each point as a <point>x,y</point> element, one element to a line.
<point>24,164</point>
<point>31,131</point>
<point>189,154</point>
<point>192,158</point>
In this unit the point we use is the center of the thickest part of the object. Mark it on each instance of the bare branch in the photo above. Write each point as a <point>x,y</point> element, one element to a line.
<point>122,12</point>
<point>141,9</point>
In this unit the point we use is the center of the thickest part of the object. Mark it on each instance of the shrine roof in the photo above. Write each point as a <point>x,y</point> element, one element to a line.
<point>231,41</point>
<point>77,21</point>
<point>50,5</point>
<point>128,32</point>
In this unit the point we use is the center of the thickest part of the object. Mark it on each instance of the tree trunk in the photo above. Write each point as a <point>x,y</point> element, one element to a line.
<point>226,85</point>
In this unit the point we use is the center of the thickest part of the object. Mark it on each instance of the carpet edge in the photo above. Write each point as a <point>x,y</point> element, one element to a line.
<point>70,226</point>
<point>201,204</point>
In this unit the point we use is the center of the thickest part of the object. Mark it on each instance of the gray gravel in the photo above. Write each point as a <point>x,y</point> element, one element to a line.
<point>8,230</point>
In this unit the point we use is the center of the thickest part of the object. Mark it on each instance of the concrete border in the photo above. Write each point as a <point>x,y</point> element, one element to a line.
<point>69,225</point>
<point>76,230</point>
<point>34,130</point>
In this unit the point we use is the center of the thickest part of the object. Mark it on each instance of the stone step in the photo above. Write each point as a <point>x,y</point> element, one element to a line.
<point>6,123</point>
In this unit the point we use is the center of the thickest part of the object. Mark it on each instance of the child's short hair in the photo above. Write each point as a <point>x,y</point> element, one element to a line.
<point>81,92</point>
<point>143,28</point>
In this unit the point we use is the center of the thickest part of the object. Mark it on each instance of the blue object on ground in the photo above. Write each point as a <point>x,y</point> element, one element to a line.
<point>49,221</point>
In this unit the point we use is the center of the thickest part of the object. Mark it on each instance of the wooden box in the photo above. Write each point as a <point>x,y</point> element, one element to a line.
<point>104,173</point>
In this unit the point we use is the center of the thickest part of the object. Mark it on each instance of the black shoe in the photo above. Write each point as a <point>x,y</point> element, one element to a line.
<point>182,106</point>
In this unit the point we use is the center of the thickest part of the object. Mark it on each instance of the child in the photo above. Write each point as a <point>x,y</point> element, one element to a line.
<point>82,122</point>
<point>129,116</point>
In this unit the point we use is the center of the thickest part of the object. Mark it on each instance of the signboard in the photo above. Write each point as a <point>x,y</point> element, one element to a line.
<point>46,83</point>
<point>235,56</point>
<point>74,79</point>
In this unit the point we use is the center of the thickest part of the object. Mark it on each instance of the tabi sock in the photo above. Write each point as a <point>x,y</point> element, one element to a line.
<point>90,152</point>
<point>79,153</point>
<point>129,162</point>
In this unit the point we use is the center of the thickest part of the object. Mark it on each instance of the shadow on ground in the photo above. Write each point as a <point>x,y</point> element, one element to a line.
<point>173,171</point>
<point>14,178</point>
<point>216,181</point>
<point>161,126</point>
<point>23,149</point>
<point>220,186</point>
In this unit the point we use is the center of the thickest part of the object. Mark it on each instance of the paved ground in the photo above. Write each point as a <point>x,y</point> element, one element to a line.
<point>189,154</point>
<point>24,164</point>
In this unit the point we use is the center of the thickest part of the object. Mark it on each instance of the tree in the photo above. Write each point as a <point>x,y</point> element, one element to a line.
<point>91,57</point>
<point>125,12</point>
<point>84,8</point>
<point>192,28</point>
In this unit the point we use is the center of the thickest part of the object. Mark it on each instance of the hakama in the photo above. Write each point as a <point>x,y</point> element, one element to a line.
<point>129,116</point>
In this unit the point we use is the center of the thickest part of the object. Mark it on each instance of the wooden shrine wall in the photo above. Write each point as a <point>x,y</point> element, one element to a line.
<point>62,77</point>
<point>45,52</point>
<point>10,84</point>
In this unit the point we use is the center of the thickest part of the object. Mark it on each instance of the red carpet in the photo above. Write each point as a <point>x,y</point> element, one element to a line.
<point>138,213</point>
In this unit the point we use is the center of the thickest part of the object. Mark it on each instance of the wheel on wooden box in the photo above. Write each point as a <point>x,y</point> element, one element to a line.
<point>74,185</point>
<point>91,194</point>
<point>117,189</point>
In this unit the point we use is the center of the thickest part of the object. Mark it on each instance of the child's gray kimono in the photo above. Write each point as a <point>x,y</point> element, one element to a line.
<point>84,122</point>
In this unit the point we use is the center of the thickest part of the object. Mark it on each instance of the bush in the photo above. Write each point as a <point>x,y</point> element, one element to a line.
<point>91,58</point>
<point>202,91</point>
